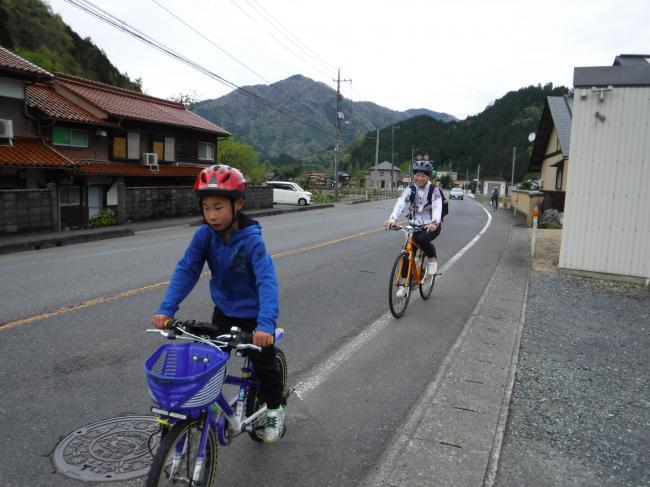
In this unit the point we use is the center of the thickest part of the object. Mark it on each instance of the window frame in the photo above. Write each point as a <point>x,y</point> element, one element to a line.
<point>70,131</point>
<point>207,144</point>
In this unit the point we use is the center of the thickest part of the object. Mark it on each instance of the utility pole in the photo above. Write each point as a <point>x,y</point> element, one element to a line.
<point>377,150</point>
<point>392,152</point>
<point>339,117</point>
<point>512,179</point>
<point>478,179</point>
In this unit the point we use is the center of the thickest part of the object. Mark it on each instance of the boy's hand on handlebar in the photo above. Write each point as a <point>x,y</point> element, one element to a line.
<point>160,321</point>
<point>431,227</point>
<point>262,338</point>
<point>389,223</point>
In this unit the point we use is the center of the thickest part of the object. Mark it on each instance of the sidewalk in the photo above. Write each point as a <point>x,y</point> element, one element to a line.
<point>40,240</point>
<point>547,385</point>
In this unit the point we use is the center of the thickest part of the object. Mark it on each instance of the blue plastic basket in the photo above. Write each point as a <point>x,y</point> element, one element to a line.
<point>185,376</point>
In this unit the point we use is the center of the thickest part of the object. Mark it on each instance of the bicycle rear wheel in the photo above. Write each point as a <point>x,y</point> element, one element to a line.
<point>175,461</point>
<point>426,285</point>
<point>399,290</point>
<point>254,401</point>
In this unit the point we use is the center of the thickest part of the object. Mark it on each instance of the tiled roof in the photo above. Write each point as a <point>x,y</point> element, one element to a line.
<point>44,98</point>
<point>28,151</point>
<point>130,104</point>
<point>561,110</point>
<point>14,63</point>
<point>385,166</point>
<point>118,169</point>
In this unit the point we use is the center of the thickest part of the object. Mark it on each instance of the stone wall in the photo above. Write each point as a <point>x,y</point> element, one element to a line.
<point>28,210</point>
<point>150,203</point>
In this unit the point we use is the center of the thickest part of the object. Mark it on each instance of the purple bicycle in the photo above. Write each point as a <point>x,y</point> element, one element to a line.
<point>185,381</point>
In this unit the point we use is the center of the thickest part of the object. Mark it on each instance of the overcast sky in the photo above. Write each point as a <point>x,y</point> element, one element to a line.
<point>453,56</point>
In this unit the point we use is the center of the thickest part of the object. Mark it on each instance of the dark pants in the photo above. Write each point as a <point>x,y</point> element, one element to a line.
<point>423,239</point>
<point>266,368</point>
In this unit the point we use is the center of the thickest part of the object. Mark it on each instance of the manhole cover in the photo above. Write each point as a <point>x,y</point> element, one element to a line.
<point>113,449</point>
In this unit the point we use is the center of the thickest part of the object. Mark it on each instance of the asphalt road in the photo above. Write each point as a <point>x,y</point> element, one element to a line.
<point>73,344</point>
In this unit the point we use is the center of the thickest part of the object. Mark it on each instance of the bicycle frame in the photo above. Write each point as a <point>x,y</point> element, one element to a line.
<point>410,249</point>
<point>228,425</point>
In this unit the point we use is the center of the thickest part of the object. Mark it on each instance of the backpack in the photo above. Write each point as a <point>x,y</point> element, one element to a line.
<point>432,187</point>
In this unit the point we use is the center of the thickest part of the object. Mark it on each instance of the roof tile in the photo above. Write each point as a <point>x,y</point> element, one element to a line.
<point>45,98</point>
<point>13,62</point>
<point>130,104</point>
<point>123,169</point>
<point>31,151</point>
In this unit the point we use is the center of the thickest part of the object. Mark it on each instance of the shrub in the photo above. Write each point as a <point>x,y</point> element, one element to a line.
<point>104,218</point>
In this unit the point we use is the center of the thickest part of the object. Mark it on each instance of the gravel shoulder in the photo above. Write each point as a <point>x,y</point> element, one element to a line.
<point>580,409</point>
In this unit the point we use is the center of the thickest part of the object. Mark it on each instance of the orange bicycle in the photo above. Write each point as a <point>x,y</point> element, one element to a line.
<point>409,270</point>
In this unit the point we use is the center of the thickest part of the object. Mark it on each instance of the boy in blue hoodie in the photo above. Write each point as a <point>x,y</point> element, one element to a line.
<point>243,285</point>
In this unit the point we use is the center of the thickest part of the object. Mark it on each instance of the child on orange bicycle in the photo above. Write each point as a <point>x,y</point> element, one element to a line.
<point>243,285</point>
<point>424,203</point>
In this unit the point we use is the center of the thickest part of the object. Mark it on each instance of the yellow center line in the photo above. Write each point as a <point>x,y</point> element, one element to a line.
<point>131,292</point>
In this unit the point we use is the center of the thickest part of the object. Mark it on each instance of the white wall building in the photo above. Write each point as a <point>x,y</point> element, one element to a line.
<point>606,227</point>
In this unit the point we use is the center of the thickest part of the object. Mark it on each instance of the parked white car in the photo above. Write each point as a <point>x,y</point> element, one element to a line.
<point>456,194</point>
<point>286,192</point>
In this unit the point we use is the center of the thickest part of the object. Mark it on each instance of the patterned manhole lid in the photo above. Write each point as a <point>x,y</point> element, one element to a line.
<point>109,450</point>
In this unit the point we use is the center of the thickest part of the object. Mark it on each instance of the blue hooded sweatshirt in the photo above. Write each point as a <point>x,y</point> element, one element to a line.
<point>243,282</point>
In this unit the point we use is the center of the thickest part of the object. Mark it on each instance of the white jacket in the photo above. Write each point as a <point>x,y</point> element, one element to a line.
<point>423,216</point>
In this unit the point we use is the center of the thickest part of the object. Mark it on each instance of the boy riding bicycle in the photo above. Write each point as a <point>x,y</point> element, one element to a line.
<point>243,284</point>
<point>423,211</point>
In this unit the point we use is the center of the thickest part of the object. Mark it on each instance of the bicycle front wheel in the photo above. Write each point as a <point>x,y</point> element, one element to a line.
<point>399,290</point>
<point>426,285</point>
<point>175,461</point>
<point>255,400</point>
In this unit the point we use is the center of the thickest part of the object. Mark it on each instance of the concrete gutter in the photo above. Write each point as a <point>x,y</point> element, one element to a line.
<point>42,241</point>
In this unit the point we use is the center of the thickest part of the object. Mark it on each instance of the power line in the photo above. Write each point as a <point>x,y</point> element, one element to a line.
<point>200,34</point>
<point>291,37</point>
<point>108,18</point>
<point>278,40</point>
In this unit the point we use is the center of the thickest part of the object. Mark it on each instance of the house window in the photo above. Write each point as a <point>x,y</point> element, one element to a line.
<point>169,148</point>
<point>126,146</point>
<point>206,151</point>
<point>69,195</point>
<point>559,174</point>
<point>133,145</point>
<point>70,137</point>
<point>119,147</point>
<point>158,147</point>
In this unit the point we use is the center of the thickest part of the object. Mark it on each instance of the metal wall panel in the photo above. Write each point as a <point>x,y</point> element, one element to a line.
<point>607,209</point>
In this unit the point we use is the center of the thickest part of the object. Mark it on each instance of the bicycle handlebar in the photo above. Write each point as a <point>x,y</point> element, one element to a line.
<point>207,333</point>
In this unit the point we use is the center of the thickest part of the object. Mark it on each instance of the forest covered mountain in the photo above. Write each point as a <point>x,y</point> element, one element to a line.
<point>304,124</point>
<point>486,139</point>
<point>31,30</point>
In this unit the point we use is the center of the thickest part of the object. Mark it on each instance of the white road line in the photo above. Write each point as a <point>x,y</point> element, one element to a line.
<point>324,370</point>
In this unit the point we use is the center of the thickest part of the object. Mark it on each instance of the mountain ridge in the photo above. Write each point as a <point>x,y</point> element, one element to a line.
<point>304,124</point>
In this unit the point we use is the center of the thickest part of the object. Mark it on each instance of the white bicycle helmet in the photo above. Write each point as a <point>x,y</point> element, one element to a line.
<point>422,166</point>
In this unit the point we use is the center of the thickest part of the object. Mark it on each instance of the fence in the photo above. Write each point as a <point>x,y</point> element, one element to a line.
<point>28,210</point>
<point>150,203</point>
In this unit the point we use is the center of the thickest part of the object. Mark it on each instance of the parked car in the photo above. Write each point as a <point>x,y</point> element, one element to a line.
<point>456,194</point>
<point>287,192</point>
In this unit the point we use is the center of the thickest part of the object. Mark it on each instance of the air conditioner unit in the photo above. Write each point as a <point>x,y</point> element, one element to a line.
<point>6,129</point>
<point>150,159</point>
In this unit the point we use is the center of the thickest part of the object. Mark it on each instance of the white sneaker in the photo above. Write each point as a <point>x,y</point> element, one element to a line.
<point>274,428</point>
<point>402,292</point>
<point>432,268</point>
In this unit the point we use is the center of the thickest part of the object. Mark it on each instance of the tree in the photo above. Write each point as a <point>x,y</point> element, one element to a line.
<point>243,157</point>
<point>445,181</point>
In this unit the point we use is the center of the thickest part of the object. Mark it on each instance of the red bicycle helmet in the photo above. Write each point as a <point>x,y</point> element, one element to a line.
<point>220,180</point>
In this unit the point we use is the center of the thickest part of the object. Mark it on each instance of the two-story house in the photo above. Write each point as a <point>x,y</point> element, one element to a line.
<point>101,136</point>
